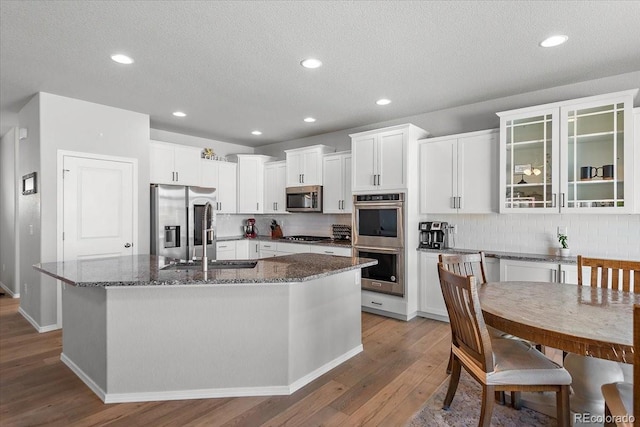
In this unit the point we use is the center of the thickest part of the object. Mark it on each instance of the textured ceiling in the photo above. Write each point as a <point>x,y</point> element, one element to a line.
<point>234,66</point>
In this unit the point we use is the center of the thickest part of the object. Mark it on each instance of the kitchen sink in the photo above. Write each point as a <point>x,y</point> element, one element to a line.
<point>213,265</point>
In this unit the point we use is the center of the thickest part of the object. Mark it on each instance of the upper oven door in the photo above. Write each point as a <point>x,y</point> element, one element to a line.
<point>379,224</point>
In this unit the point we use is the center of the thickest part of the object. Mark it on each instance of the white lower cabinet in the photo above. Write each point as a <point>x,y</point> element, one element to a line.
<point>430,300</point>
<point>226,250</point>
<point>533,271</point>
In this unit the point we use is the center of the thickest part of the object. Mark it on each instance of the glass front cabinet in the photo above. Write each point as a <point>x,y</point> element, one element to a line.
<point>573,156</point>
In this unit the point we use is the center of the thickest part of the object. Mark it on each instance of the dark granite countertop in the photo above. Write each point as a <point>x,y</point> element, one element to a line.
<point>147,270</point>
<point>508,255</point>
<point>332,242</point>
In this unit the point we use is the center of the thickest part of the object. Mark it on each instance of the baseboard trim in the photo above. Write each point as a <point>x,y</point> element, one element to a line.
<point>9,291</point>
<point>298,384</point>
<point>211,393</point>
<point>84,377</point>
<point>40,329</point>
<point>385,313</point>
<point>434,316</point>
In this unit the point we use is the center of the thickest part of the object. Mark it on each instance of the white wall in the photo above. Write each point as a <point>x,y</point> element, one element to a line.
<point>60,123</point>
<point>220,148</point>
<point>467,118</point>
<point>8,213</point>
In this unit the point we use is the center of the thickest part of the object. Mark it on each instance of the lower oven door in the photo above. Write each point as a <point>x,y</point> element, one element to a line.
<point>388,275</point>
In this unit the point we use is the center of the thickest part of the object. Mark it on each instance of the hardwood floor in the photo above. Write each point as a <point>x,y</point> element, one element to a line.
<point>401,366</point>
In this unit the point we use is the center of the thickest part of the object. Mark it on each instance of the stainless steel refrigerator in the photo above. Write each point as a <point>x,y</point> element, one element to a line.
<point>176,221</point>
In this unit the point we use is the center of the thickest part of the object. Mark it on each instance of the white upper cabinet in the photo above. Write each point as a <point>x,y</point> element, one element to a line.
<point>459,173</point>
<point>572,156</point>
<point>223,177</point>
<point>174,164</point>
<point>275,174</point>
<point>250,182</point>
<point>304,165</point>
<point>380,157</point>
<point>336,196</point>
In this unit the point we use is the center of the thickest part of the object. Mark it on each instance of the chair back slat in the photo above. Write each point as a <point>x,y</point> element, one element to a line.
<point>620,271</point>
<point>465,265</point>
<point>468,331</point>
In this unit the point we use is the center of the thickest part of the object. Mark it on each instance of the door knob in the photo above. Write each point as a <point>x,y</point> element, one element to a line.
<point>127,245</point>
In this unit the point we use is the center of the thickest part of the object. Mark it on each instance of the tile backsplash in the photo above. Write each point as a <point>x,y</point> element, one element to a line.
<point>609,236</point>
<point>313,224</point>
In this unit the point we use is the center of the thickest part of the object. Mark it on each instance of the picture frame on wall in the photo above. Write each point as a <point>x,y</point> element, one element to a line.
<point>29,184</point>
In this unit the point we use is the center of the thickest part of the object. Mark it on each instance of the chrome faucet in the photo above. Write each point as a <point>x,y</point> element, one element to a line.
<point>205,230</point>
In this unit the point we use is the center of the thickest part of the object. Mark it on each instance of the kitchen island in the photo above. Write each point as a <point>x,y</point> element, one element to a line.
<point>140,329</point>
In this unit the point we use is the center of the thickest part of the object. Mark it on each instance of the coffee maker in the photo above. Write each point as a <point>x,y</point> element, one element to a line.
<point>434,235</point>
<point>250,229</point>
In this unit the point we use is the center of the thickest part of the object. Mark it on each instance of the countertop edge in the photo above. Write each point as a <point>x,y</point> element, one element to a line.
<point>571,260</point>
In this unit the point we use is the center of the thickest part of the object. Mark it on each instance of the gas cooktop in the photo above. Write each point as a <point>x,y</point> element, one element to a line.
<point>307,238</point>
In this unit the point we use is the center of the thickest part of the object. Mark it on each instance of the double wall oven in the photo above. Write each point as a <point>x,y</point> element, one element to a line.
<point>378,228</point>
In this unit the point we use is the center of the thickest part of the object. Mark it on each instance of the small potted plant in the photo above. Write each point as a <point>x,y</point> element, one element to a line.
<point>564,250</point>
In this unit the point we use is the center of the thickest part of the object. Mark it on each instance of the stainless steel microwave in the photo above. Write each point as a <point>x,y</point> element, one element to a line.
<point>304,199</point>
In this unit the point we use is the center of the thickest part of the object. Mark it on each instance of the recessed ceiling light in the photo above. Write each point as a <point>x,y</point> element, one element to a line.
<point>256,132</point>
<point>383,101</point>
<point>554,40</point>
<point>179,114</point>
<point>309,119</point>
<point>122,59</point>
<point>311,63</point>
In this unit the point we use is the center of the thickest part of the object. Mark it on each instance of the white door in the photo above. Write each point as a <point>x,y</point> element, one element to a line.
<point>227,183</point>
<point>99,217</point>
<point>437,171</point>
<point>363,151</point>
<point>390,160</point>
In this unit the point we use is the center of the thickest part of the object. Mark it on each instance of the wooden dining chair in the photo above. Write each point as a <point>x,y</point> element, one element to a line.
<point>497,364</point>
<point>619,402</point>
<point>474,265</point>
<point>620,271</point>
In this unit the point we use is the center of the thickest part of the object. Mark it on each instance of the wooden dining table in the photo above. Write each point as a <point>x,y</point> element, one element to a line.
<point>580,320</point>
<point>584,320</point>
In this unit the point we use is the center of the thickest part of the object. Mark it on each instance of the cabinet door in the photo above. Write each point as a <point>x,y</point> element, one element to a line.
<point>529,152</point>
<point>209,174</point>
<point>364,158</point>
<point>187,165</point>
<point>477,174</point>
<point>270,188</point>
<point>250,185</point>
<point>511,270</point>
<point>596,173</point>
<point>294,169</point>
<point>275,187</point>
<point>391,160</point>
<point>242,249</point>
<point>431,302</point>
<point>161,169</point>
<point>227,187</point>
<point>333,187</point>
<point>312,167</point>
<point>438,164</point>
<point>347,199</point>
<point>225,250</point>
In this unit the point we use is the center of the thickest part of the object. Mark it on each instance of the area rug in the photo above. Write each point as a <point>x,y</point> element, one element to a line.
<point>465,409</point>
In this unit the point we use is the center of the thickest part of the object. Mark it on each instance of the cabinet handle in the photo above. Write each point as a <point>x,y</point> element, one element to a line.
<point>554,275</point>
<point>257,206</point>
<point>173,176</point>
<point>220,205</point>
<point>459,202</point>
<point>378,179</point>
<point>562,199</point>
<point>453,202</point>
<point>303,178</point>
<point>328,252</point>
<point>300,178</point>
<point>177,176</point>
<point>553,198</point>
<point>564,276</point>
<point>374,179</point>
<point>376,303</point>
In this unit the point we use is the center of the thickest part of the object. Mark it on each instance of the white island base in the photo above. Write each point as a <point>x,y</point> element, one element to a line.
<point>146,343</point>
